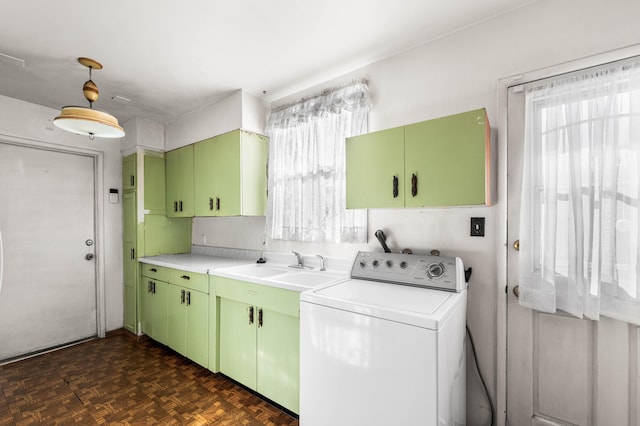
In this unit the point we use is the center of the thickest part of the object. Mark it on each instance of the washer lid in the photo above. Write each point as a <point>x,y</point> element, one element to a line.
<point>410,305</point>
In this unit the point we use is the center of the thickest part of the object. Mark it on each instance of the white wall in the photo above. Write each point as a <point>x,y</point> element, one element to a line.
<point>32,124</point>
<point>214,119</point>
<point>457,73</point>
<point>142,133</point>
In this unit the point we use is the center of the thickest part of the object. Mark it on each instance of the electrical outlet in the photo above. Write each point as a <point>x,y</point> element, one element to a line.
<point>477,227</point>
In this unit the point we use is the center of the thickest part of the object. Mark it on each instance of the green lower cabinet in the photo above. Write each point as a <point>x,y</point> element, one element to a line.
<point>278,367</point>
<point>238,341</point>
<point>260,338</point>
<point>154,309</point>
<point>130,308</point>
<point>188,323</point>
<point>197,332</point>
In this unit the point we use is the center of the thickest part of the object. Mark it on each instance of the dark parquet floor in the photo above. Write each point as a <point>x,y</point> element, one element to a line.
<point>124,380</point>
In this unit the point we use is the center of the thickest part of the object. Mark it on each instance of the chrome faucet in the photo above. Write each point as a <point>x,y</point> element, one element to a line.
<point>300,264</point>
<point>322,268</point>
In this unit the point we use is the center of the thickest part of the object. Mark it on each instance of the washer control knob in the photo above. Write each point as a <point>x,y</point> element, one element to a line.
<point>363,264</point>
<point>389,263</point>
<point>403,265</point>
<point>375,263</point>
<point>435,270</point>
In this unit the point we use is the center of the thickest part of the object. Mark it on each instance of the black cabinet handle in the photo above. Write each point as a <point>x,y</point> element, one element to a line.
<point>149,287</point>
<point>260,317</point>
<point>132,180</point>
<point>185,277</point>
<point>153,270</point>
<point>133,253</point>
<point>217,203</point>
<point>180,205</point>
<point>188,298</point>
<point>395,186</point>
<point>250,315</point>
<point>210,203</point>
<point>182,294</point>
<point>175,206</point>
<point>153,288</point>
<point>414,185</point>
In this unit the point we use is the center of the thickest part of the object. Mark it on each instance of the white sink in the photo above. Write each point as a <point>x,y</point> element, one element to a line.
<point>306,279</point>
<point>257,270</point>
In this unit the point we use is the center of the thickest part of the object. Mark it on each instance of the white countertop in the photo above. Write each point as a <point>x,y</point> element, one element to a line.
<point>244,268</point>
<point>193,262</point>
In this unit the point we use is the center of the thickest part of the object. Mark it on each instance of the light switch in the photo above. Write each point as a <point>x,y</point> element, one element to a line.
<point>113,196</point>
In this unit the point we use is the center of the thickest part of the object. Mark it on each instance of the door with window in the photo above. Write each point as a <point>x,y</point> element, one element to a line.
<point>47,220</point>
<point>561,369</point>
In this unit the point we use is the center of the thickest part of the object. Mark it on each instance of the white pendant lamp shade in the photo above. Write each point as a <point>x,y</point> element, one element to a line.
<point>88,121</point>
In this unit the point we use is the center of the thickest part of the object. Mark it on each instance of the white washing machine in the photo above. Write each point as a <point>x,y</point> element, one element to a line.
<point>386,347</point>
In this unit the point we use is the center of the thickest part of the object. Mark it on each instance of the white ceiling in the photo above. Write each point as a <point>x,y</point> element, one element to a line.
<point>171,57</point>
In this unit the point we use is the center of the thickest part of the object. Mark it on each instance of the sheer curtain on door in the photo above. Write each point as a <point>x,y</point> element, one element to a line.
<point>307,190</point>
<point>579,235</point>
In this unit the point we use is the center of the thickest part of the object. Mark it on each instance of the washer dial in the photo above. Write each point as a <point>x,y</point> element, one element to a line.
<point>435,270</point>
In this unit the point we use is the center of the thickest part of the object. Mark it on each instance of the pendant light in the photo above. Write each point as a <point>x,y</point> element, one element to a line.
<point>88,121</point>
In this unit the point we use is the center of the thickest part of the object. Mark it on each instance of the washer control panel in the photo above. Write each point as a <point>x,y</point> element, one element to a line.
<point>439,272</point>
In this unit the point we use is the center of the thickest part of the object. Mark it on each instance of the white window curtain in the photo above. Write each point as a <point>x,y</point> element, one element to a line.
<point>307,187</point>
<point>579,235</point>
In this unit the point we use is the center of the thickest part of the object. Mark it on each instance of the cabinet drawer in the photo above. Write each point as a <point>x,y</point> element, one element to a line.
<point>277,299</point>
<point>191,280</point>
<point>152,271</point>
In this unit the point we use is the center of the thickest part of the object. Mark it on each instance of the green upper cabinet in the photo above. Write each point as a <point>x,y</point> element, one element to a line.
<point>375,169</point>
<point>154,184</point>
<point>446,162</point>
<point>230,176</point>
<point>179,182</point>
<point>129,175</point>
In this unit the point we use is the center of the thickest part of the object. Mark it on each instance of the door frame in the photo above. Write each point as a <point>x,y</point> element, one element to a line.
<point>98,209</point>
<point>502,244</point>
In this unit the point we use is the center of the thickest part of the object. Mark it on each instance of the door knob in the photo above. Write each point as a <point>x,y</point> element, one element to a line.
<point>516,291</point>
<point>516,245</point>
<point>89,242</point>
<point>89,256</point>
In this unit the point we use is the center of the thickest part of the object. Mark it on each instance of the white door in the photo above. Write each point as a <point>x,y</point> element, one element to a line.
<point>48,294</point>
<point>562,370</point>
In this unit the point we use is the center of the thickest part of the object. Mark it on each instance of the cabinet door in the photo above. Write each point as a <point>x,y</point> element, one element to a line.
<point>154,184</point>
<point>226,181</point>
<point>179,182</point>
<point>279,358</point>
<point>217,175</point>
<point>447,157</point>
<point>375,169</point>
<point>154,309</point>
<point>147,306</point>
<point>176,318</point>
<point>129,217</point>
<point>197,332</point>
<point>254,150</point>
<point>129,172</point>
<point>203,176</point>
<point>238,341</point>
<point>159,313</point>
<point>130,307</point>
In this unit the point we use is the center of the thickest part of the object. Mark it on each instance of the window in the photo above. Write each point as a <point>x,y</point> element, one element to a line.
<point>307,167</point>
<point>579,215</point>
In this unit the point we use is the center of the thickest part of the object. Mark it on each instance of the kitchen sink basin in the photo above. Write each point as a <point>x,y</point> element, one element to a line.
<point>258,270</point>
<point>307,279</point>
